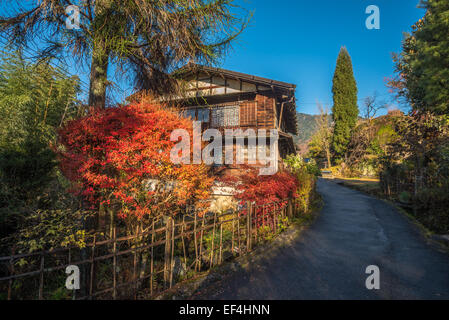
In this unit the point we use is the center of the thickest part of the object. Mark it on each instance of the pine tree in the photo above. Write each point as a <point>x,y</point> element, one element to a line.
<point>345,110</point>
<point>143,41</point>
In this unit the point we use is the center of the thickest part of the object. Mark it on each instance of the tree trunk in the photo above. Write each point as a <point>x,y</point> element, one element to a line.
<point>98,78</point>
<point>328,156</point>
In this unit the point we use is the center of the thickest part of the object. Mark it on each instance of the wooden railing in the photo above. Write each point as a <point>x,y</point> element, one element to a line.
<point>146,263</point>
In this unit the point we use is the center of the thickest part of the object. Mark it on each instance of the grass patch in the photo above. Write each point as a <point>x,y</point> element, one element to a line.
<point>370,186</point>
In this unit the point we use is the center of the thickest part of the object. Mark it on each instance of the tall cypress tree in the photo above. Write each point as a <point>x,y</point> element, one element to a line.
<point>345,110</point>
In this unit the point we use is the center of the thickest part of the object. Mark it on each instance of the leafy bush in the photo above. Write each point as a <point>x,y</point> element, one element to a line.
<point>419,165</point>
<point>268,192</point>
<point>35,98</point>
<point>432,208</point>
<point>306,174</point>
<point>405,197</point>
<point>297,163</point>
<point>50,229</point>
<point>262,189</point>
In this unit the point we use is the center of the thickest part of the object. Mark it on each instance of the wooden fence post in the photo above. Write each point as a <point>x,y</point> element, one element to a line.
<point>167,262</point>
<point>290,209</point>
<point>201,242</point>
<point>248,225</point>
<point>92,268</point>
<point>152,261</point>
<point>213,242</point>
<point>233,232</point>
<point>238,235</point>
<point>70,262</point>
<point>221,244</point>
<point>183,227</point>
<point>195,241</point>
<point>41,278</point>
<point>256,226</point>
<point>136,245</point>
<point>10,282</point>
<point>172,251</point>
<point>114,264</point>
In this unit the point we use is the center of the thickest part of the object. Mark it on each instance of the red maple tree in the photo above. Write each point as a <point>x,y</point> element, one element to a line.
<point>113,156</point>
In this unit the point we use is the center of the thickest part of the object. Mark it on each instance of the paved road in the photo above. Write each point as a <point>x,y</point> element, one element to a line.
<point>329,259</point>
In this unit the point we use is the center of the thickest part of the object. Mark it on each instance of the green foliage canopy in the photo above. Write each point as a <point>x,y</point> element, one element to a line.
<point>423,64</point>
<point>34,100</point>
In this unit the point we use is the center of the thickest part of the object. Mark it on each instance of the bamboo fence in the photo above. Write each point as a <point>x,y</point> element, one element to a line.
<point>144,263</point>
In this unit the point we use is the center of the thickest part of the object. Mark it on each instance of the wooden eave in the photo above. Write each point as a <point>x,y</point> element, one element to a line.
<point>192,69</point>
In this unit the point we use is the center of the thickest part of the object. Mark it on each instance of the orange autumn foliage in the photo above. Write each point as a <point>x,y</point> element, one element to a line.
<point>112,156</point>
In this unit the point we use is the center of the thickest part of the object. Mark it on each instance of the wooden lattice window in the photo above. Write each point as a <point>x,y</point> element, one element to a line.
<point>248,116</point>
<point>228,116</point>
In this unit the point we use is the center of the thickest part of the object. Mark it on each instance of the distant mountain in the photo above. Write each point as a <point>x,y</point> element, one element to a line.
<point>307,126</point>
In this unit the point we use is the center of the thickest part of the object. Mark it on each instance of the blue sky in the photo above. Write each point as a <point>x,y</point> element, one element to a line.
<point>298,41</point>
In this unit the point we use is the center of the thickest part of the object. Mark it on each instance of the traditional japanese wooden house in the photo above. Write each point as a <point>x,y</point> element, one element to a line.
<point>225,99</point>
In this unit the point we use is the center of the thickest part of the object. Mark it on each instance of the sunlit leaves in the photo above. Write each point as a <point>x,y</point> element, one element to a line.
<point>110,155</point>
<point>422,67</point>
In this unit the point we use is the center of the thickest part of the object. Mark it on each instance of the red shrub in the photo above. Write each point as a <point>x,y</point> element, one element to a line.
<point>269,193</point>
<point>266,189</point>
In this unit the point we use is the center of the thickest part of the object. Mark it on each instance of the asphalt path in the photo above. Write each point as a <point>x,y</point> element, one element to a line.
<point>329,259</point>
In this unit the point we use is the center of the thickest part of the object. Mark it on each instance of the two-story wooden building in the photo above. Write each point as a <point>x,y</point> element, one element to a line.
<point>224,99</point>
